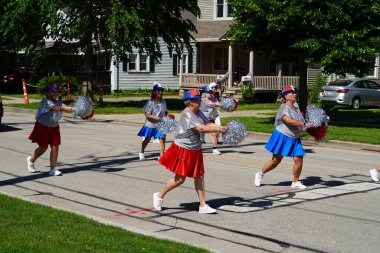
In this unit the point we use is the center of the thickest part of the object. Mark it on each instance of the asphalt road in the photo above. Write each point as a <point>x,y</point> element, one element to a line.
<point>104,180</point>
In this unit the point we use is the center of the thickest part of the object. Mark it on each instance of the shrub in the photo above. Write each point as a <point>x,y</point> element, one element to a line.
<point>313,91</point>
<point>247,93</point>
<point>57,79</point>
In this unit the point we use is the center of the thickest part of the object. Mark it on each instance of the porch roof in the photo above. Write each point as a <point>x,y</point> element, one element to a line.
<point>211,31</point>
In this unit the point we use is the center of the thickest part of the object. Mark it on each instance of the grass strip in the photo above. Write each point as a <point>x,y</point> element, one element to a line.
<point>369,135</point>
<point>29,227</point>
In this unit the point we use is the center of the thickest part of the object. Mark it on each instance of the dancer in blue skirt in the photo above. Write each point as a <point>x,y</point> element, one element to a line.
<point>285,139</point>
<point>155,109</point>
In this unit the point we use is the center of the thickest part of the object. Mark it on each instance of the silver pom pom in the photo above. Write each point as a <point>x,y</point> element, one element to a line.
<point>83,107</point>
<point>228,104</point>
<point>235,134</point>
<point>166,125</point>
<point>316,116</point>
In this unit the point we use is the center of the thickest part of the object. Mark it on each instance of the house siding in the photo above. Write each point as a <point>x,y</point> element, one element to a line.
<point>312,73</point>
<point>163,73</point>
<point>207,9</point>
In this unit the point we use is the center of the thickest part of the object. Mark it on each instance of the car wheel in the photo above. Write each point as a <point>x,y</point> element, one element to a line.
<point>356,103</point>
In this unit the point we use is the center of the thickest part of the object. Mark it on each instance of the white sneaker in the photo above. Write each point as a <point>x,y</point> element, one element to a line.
<point>141,157</point>
<point>258,177</point>
<point>298,185</point>
<point>157,202</point>
<point>206,209</point>
<point>216,152</point>
<point>374,175</point>
<point>55,172</point>
<point>31,167</point>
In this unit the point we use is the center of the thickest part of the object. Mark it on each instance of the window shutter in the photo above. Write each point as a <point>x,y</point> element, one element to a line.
<point>175,64</point>
<point>190,63</point>
<point>124,60</point>
<point>152,64</point>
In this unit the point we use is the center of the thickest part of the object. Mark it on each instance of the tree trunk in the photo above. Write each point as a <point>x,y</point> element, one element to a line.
<point>89,72</point>
<point>303,87</point>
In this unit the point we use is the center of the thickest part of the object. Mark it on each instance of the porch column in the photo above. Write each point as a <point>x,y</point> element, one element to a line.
<point>181,68</point>
<point>230,70</point>
<point>251,62</point>
<point>279,75</point>
<point>114,68</point>
<point>377,67</point>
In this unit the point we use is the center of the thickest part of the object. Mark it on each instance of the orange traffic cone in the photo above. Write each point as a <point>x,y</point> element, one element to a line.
<point>26,100</point>
<point>68,92</point>
<point>100,93</point>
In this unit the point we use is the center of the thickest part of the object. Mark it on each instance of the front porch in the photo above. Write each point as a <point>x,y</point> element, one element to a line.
<point>259,83</point>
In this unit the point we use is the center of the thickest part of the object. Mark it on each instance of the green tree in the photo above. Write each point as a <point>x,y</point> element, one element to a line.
<point>94,25</point>
<point>342,36</point>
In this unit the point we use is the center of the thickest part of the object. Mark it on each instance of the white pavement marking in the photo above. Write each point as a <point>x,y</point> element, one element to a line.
<point>297,197</point>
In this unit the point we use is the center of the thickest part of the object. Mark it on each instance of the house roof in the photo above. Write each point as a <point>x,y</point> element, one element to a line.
<point>209,31</point>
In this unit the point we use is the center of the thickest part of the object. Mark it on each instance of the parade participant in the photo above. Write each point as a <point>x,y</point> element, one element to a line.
<point>184,156</point>
<point>46,129</point>
<point>209,109</point>
<point>215,98</point>
<point>375,173</point>
<point>285,139</point>
<point>154,110</point>
<point>215,94</point>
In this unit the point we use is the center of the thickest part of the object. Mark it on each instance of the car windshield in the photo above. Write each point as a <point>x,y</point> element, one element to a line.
<point>340,83</point>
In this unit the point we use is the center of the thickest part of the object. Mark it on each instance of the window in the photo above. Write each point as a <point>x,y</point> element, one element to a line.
<point>220,59</point>
<point>372,85</point>
<point>136,63</point>
<point>184,64</point>
<point>361,85</point>
<point>223,9</point>
<point>187,64</point>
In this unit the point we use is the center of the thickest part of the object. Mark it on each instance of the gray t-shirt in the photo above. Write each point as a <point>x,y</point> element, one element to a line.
<point>210,112</point>
<point>155,109</point>
<point>46,116</point>
<point>185,135</point>
<point>286,129</point>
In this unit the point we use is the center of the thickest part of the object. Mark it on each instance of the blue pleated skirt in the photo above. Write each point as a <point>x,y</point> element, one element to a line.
<point>280,144</point>
<point>148,132</point>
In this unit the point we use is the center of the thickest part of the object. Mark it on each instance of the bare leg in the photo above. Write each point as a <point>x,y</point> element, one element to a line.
<point>378,168</point>
<point>162,145</point>
<point>144,144</point>
<point>171,184</point>
<point>37,153</point>
<point>297,167</point>
<point>199,185</point>
<point>214,140</point>
<point>53,156</point>
<point>271,164</point>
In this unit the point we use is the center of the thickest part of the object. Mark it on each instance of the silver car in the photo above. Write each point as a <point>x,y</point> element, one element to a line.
<point>351,92</point>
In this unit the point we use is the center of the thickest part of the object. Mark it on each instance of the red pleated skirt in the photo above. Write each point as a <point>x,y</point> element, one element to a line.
<point>45,136</point>
<point>183,161</point>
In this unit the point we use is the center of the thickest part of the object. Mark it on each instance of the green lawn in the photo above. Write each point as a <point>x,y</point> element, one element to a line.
<point>370,135</point>
<point>28,227</point>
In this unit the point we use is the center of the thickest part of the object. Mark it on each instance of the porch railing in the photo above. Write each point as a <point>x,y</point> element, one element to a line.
<point>273,82</point>
<point>190,80</point>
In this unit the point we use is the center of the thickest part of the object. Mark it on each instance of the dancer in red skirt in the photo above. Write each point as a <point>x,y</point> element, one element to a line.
<point>46,129</point>
<point>184,157</point>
